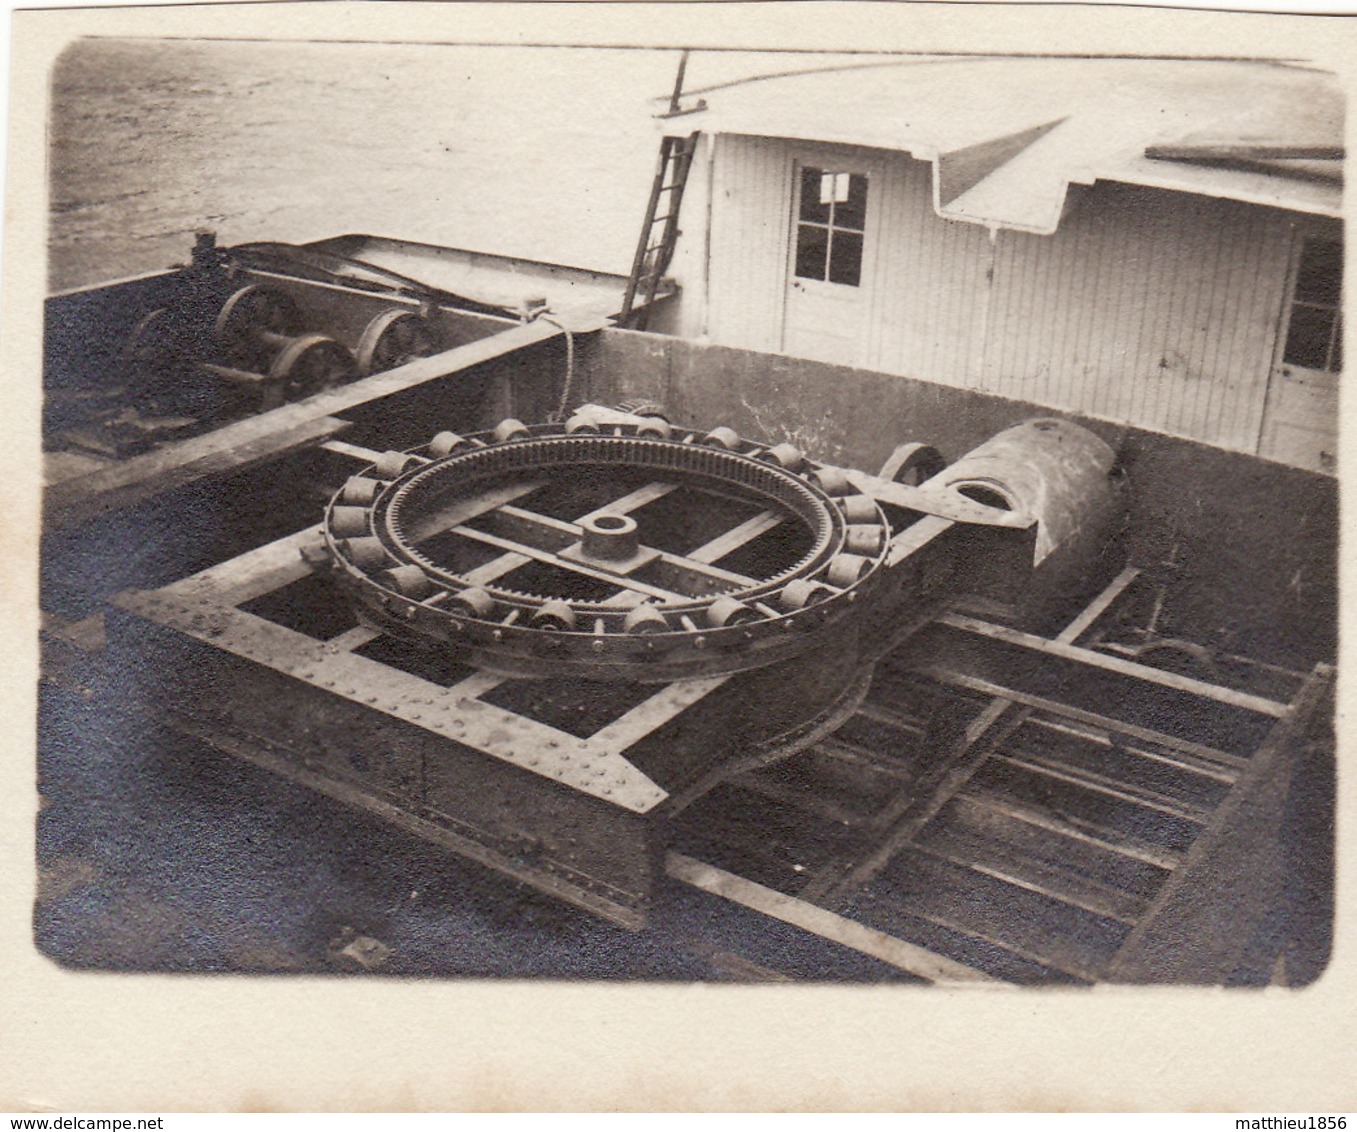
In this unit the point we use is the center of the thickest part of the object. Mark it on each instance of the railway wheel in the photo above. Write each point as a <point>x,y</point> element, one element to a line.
<point>308,365</point>
<point>252,321</point>
<point>393,338</point>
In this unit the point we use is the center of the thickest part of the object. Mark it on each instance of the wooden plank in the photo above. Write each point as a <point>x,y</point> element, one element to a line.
<point>1023,841</point>
<point>267,435</point>
<point>464,510</point>
<point>1052,932</point>
<point>821,922</point>
<point>735,538</point>
<point>680,562</point>
<point>1117,821</point>
<point>1093,659</point>
<point>1034,875</point>
<point>352,451</point>
<point>1101,784</point>
<point>908,816</point>
<point>129,482</point>
<point>252,574</point>
<point>1237,151</point>
<point>1210,756</point>
<point>1098,606</point>
<point>569,565</point>
<point>1044,819</point>
<point>633,501</point>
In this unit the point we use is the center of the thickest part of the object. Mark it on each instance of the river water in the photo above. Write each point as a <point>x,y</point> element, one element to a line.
<point>539,152</point>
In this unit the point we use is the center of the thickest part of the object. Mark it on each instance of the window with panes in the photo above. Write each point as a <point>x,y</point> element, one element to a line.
<point>831,225</point>
<point>1314,337</point>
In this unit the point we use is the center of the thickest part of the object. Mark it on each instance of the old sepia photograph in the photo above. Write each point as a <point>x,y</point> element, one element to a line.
<point>658,509</point>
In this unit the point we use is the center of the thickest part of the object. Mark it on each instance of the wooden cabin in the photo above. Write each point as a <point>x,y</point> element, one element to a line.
<point>1156,243</point>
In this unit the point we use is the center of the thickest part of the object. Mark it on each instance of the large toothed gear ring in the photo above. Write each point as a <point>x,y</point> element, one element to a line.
<point>617,551</point>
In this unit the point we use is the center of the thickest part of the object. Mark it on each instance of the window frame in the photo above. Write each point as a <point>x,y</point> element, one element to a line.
<point>828,167</point>
<point>1334,310</point>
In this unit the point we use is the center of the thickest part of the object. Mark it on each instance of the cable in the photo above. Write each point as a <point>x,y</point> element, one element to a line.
<point>559,415</point>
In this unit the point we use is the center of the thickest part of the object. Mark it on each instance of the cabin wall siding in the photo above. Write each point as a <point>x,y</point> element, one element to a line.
<point>1157,309</point>
<point>1146,307</point>
<point>750,230</point>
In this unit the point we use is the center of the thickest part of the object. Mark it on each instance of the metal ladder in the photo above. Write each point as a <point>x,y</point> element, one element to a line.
<point>660,231</point>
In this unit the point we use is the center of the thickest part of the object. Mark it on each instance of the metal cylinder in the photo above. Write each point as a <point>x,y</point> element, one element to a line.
<point>725,612</point>
<point>360,490</point>
<point>443,444</point>
<point>348,522</point>
<point>510,429</point>
<point>391,465</point>
<point>1053,470</point>
<point>645,619</point>
<point>613,538</point>
<point>832,481</point>
<point>409,581</point>
<point>859,509</point>
<point>555,615</point>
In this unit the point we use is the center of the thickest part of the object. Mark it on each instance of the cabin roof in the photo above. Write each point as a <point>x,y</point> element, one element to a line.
<point>1007,136</point>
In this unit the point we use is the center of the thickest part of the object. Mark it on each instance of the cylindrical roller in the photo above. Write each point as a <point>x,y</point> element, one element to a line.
<point>845,569</point>
<point>863,538</point>
<point>832,481</point>
<point>787,456</point>
<point>366,553</point>
<point>473,602</point>
<point>727,612</point>
<point>509,429</point>
<point>444,444</point>
<point>723,437</point>
<point>859,509</point>
<point>555,615</point>
<point>409,581</point>
<point>654,426</point>
<point>391,465</point>
<point>645,619</point>
<point>579,423</point>
<point>349,522</point>
<point>360,490</point>
<point>801,593</point>
<point>613,538</point>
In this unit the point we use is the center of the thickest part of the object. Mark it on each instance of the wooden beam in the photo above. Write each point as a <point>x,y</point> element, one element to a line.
<point>1210,756</point>
<point>735,538</point>
<point>267,435</point>
<point>1236,151</point>
<point>821,922</point>
<point>1229,696</point>
<point>130,482</point>
<point>1098,606</point>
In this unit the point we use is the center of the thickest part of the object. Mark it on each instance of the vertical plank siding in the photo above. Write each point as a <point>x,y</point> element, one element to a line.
<point>751,226</point>
<point>1146,307</point>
